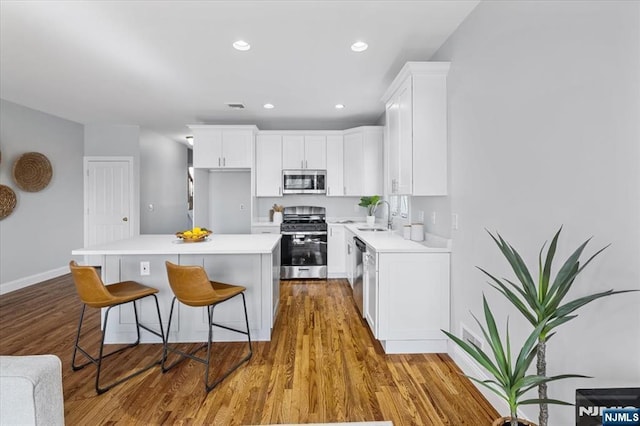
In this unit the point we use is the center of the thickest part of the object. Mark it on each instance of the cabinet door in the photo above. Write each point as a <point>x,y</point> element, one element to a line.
<point>336,263</point>
<point>236,148</point>
<point>371,292</point>
<point>207,148</point>
<point>372,162</point>
<point>349,256</point>
<point>315,152</point>
<point>353,164</point>
<point>268,166</point>
<point>405,139</point>
<point>413,295</point>
<point>292,152</point>
<point>335,164</point>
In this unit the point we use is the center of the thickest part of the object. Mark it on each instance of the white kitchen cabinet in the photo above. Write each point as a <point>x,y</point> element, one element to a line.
<point>304,152</point>
<point>268,165</point>
<point>363,165</point>
<point>266,228</point>
<point>416,130</point>
<point>222,147</point>
<point>370,266</point>
<point>335,166</point>
<point>412,302</point>
<point>350,256</point>
<point>336,256</point>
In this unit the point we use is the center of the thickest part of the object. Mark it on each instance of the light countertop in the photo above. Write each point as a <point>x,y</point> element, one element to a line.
<point>170,244</point>
<point>392,242</point>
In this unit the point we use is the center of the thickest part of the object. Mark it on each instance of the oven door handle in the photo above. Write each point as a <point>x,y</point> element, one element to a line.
<point>304,233</point>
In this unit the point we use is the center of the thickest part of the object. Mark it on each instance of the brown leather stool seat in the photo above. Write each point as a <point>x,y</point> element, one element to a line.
<point>191,286</point>
<point>95,294</point>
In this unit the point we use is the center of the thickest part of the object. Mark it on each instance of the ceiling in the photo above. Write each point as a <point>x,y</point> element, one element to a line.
<point>164,64</point>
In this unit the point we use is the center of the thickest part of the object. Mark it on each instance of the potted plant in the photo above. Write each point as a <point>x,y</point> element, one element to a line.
<point>510,379</point>
<point>371,203</point>
<point>541,301</point>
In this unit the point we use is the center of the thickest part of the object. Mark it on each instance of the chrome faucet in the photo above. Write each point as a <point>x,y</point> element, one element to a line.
<point>389,218</point>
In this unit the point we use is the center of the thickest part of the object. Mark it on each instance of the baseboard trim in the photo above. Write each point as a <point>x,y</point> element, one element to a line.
<point>14,285</point>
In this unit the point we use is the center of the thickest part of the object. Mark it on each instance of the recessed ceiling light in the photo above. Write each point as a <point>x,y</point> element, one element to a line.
<point>359,46</point>
<point>268,106</point>
<point>339,106</point>
<point>241,45</point>
<point>190,140</point>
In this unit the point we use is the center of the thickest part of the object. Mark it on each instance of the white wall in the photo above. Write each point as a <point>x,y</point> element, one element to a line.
<point>230,202</point>
<point>104,140</point>
<point>37,239</point>
<point>163,183</point>
<point>544,131</point>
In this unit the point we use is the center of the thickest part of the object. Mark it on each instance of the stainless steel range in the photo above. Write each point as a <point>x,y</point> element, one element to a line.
<point>304,243</point>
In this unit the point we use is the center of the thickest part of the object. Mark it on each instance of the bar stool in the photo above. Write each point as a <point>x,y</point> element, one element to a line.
<point>192,287</point>
<point>95,294</point>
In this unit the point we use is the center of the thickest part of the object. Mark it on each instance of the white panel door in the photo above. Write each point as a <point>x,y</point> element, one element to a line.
<point>108,201</point>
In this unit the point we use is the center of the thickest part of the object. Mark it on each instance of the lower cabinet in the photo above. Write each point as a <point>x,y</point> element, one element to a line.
<point>350,256</point>
<point>407,300</point>
<point>265,229</point>
<point>336,262</point>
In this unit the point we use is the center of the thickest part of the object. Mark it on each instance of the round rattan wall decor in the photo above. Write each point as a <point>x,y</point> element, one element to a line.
<point>32,172</point>
<point>7,201</point>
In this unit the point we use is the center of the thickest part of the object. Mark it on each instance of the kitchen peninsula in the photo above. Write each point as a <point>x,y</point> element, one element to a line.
<point>251,260</point>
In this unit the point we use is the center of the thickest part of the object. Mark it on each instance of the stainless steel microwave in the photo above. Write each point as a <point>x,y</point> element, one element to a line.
<point>304,181</point>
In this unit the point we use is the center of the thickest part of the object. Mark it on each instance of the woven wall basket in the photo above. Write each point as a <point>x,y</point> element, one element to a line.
<point>7,201</point>
<point>32,172</point>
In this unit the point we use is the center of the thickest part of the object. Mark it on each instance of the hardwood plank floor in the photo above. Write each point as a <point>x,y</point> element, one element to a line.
<point>322,365</point>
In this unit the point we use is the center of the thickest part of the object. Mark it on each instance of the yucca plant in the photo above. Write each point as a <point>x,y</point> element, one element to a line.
<point>510,379</point>
<point>542,301</point>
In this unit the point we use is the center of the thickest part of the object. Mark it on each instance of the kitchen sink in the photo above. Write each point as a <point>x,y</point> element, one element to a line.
<point>372,229</point>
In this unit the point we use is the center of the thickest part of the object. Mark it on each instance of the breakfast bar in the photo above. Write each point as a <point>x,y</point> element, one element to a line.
<point>249,260</point>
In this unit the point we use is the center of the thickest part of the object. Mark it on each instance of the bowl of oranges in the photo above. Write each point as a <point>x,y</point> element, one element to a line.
<point>194,235</point>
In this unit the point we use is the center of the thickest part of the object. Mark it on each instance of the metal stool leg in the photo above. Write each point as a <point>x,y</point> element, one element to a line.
<point>101,355</point>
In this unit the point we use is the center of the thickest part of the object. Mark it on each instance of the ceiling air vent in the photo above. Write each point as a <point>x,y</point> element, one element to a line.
<point>235,105</point>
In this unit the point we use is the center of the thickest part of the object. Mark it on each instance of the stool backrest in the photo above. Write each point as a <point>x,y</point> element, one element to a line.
<point>190,283</point>
<point>89,286</point>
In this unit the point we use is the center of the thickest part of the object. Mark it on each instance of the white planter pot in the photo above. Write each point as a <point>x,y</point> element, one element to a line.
<point>371,220</point>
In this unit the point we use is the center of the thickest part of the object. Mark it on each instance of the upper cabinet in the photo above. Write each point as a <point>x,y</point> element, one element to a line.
<point>335,165</point>
<point>363,165</point>
<point>304,152</point>
<point>268,165</point>
<point>416,130</point>
<point>222,147</point>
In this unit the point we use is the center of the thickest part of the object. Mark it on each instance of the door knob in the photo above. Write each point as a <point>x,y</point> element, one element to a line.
<point>124,219</point>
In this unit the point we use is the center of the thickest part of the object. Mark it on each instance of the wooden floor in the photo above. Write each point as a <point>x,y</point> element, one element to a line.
<point>322,365</point>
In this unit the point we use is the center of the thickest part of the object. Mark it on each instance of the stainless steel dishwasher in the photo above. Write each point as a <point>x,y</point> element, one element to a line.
<point>358,281</point>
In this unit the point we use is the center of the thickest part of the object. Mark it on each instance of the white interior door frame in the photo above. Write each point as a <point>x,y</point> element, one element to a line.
<point>132,219</point>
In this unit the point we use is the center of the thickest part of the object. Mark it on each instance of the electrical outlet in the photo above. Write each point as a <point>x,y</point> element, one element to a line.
<point>433,218</point>
<point>454,221</point>
<point>421,216</point>
<point>241,206</point>
<point>150,207</point>
<point>145,268</point>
